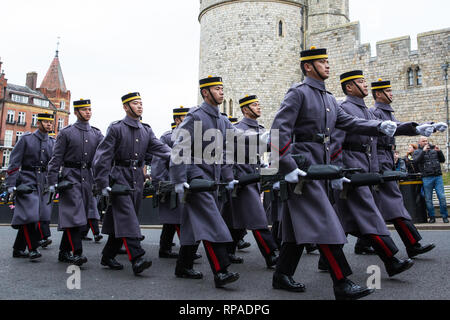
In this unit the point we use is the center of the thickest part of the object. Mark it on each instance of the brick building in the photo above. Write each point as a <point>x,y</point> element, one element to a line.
<point>19,106</point>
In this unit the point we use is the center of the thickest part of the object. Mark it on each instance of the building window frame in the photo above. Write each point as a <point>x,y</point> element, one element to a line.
<point>419,77</point>
<point>5,158</point>
<point>62,105</point>
<point>281,28</point>
<point>21,117</point>
<point>19,98</point>
<point>10,117</point>
<point>34,120</point>
<point>60,123</point>
<point>8,138</point>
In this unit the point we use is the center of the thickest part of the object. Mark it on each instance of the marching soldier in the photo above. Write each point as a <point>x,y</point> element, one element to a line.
<point>201,219</point>
<point>74,150</point>
<point>358,213</point>
<point>388,197</point>
<point>170,218</point>
<point>118,163</point>
<point>307,117</point>
<point>246,211</point>
<point>27,180</point>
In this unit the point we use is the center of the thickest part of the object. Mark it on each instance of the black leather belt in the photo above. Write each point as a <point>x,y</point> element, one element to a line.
<point>128,163</point>
<point>363,148</point>
<point>315,138</point>
<point>388,147</point>
<point>33,168</point>
<point>78,165</point>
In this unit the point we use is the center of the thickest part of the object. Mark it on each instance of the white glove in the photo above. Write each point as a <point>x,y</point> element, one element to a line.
<point>264,138</point>
<point>179,188</point>
<point>276,186</point>
<point>52,189</point>
<point>11,189</point>
<point>388,128</point>
<point>231,185</point>
<point>425,130</point>
<point>106,191</point>
<point>293,177</point>
<point>441,126</point>
<point>339,183</point>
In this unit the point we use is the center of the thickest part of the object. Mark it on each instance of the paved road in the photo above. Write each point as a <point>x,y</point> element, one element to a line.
<point>21,279</point>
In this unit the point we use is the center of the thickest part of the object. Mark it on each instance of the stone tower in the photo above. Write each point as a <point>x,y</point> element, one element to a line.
<point>255,47</point>
<point>323,14</point>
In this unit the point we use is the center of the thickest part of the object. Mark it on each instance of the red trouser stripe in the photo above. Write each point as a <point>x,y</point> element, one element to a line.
<point>260,239</point>
<point>40,230</point>
<point>177,227</point>
<point>212,255</point>
<point>92,228</point>
<point>406,231</point>
<point>126,248</point>
<point>332,261</point>
<point>69,236</point>
<point>27,237</point>
<point>383,245</point>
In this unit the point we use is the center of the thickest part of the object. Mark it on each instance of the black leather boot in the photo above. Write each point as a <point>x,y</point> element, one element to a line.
<point>111,263</point>
<point>186,273</point>
<point>140,264</point>
<point>347,290</point>
<point>310,248</point>
<point>271,261</point>
<point>20,254</point>
<point>223,278</point>
<point>235,260</point>
<point>241,245</point>
<point>283,282</point>
<point>168,254</point>
<point>419,249</point>
<point>396,266</point>
<point>79,260</point>
<point>65,256</point>
<point>34,254</point>
<point>98,237</point>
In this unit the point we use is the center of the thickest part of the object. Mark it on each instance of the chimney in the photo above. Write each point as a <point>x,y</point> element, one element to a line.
<point>32,80</point>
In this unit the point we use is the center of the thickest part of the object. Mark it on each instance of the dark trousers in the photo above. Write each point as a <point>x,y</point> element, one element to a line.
<point>132,246</point>
<point>384,246</point>
<point>276,233</point>
<point>44,229</point>
<point>290,254</point>
<point>265,242</point>
<point>216,252</point>
<point>167,235</point>
<point>236,234</point>
<point>407,232</point>
<point>93,226</point>
<point>27,236</point>
<point>71,241</point>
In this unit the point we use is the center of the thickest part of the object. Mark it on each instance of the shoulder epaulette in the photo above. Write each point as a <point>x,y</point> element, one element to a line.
<point>146,125</point>
<point>95,128</point>
<point>297,85</point>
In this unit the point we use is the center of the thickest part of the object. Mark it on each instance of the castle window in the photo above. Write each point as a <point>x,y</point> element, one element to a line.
<point>280,29</point>
<point>410,77</point>
<point>230,110</point>
<point>224,106</point>
<point>418,76</point>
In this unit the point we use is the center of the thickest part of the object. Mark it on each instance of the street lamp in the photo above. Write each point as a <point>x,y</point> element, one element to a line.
<point>445,72</point>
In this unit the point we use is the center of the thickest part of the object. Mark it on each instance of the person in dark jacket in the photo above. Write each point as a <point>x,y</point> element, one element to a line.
<point>409,159</point>
<point>428,159</point>
<point>400,164</point>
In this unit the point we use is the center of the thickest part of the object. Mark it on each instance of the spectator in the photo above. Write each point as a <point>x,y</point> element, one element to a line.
<point>409,159</point>
<point>400,164</point>
<point>428,159</point>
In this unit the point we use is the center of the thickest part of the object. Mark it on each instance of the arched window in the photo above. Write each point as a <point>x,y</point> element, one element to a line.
<point>280,29</point>
<point>230,110</point>
<point>418,76</point>
<point>224,106</point>
<point>410,77</point>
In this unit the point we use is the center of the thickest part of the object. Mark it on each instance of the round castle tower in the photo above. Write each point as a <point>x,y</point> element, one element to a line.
<point>254,45</point>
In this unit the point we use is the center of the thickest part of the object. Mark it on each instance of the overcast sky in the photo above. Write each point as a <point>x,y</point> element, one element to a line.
<point>112,47</point>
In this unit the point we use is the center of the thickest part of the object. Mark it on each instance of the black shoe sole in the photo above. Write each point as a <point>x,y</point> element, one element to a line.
<point>362,252</point>
<point>111,267</point>
<point>362,294</point>
<point>145,266</point>
<point>228,281</point>
<point>35,257</point>
<point>244,247</point>
<point>185,276</point>
<point>280,287</point>
<point>401,270</point>
<point>415,254</point>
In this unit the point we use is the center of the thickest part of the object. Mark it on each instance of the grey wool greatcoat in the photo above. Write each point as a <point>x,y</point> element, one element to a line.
<point>247,211</point>
<point>201,218</point>
<point>309,109</point>
<point>75,144</point>
<point>132,141</point>
<point>358,213</point>
<point>388,197</point>
<point>160,172</point>
<point>33,150</point>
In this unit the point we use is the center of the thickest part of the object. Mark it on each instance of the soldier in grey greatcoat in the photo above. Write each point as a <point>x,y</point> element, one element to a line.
<point>359,213</point>
<point>27,170</point>
<point>72,162</point>
<point>119,162</point>
<point>307,117</point>
<point>388,197</point>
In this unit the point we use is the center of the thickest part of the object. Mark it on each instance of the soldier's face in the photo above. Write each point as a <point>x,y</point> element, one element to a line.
<point>362,84</point>
<point>322,67</point>
<point>217,93</point>
<point>136,106</point>
<point>46,125</point>
<point>256,108</point>
<point>86,113</point>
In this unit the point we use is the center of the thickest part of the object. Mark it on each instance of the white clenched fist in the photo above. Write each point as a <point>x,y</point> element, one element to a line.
<point>293,177</point>
<point>388,128</point>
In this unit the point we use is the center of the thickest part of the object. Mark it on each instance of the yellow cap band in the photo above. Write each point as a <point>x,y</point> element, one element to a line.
<point>49,119</point>
<point>323,56</point>
<point>382,87</point>
<point>180,114</point>
<point>248,102</point>
<point>82,106</point>
<point>212,84</point>
<point>352,78</point>
<point>131,99</point>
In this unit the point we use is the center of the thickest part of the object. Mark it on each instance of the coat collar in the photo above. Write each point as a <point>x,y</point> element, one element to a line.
<point>356,100</point>
<point>319,85</point>
<point>250,122</point>
<point>82,125</point>
<point>384,106</point>
<point>211,110</point>
<point>40,135</point>
<point>132,122</point>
